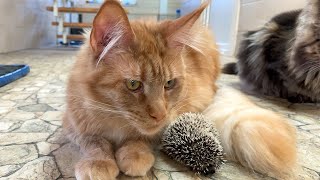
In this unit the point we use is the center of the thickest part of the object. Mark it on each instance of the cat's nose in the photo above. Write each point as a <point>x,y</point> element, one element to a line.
<point>158,116</point>
<point>157,113</point>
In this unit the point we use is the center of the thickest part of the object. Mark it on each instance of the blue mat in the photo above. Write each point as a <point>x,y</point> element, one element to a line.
<point>10,73</point>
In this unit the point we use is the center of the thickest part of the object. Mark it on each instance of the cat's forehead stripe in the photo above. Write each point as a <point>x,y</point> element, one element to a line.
<point>148,38</point>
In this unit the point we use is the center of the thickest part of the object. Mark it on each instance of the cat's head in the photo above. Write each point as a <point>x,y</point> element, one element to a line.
<point>137,67</point>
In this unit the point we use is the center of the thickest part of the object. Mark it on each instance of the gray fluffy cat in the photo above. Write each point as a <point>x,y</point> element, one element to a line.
<point>282,58</point>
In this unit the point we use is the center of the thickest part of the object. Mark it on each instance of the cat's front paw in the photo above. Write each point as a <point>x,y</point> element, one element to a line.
<point>134,161</point>
<point>96,169</point>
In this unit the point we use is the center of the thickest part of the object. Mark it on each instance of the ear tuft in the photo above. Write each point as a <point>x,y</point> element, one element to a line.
<point>179,31</point>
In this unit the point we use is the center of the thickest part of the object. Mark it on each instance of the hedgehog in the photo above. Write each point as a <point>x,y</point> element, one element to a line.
<point>194,142</point>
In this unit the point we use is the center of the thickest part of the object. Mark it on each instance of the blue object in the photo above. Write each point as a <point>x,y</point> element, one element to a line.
<point>10,73</point>
<point>129,2</point>
<point>178,13</point>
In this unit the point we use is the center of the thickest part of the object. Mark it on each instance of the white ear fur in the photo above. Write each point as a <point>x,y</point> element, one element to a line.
<point>185,30</point>
<point>194,38</point>
<point>111,28</point>
<point>115,36</point>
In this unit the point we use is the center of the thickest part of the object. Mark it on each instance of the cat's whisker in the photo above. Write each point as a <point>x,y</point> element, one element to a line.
<point>185,99</point>
<point>312,74</point>
<point>105,107</point>
<point>314,69</point>
<point>101,109</point>
<point>187,90</point>
<point>186,104</point>
<point>91,100</point>
<point>174,60</point>
<point>97,104</point>
<point>311,68</point>
<point>307,67</point>
<point>189,98</point>
<point>127,125</point>
<point>306,64</point>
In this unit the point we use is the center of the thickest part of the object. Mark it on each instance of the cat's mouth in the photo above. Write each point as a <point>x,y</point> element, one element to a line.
<point>152,129</point>
<point>155,126</point>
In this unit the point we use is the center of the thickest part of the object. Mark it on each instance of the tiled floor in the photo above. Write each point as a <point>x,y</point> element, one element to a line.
<point>32,146</point>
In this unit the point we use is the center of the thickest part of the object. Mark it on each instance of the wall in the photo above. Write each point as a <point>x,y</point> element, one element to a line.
<point>152,8</point>
<point>25,24</point>
<point>255,13</point>
<point>147,9</point>
<point>224,23</point>
<point>228,26</point>
<point>189,5</point>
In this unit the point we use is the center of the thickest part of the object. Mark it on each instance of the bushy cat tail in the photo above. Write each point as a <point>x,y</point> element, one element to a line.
<point>257,138</point>
<point>230,68</point>
<point>260,140</point>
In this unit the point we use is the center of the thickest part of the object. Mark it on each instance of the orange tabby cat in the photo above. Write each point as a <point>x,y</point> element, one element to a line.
<point>130,79</point>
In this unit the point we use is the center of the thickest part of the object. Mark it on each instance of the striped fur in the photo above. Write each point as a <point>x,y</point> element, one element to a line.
<point>116,127</point>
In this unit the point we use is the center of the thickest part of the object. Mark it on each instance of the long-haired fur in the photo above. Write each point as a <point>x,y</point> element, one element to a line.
<point>114,126</point>
<point>257,138</point>
<point>282,59</point>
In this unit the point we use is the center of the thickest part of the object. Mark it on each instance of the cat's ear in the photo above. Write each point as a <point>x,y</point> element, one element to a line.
<point>111,28</point>
<point>178,32</point>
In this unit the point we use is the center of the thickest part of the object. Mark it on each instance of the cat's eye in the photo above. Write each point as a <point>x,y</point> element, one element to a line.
<point>170,84</point>
<point>133,85</point>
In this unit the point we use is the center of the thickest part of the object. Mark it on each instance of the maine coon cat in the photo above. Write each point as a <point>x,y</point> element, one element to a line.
<point>282,58</point>
<point>130,79</point>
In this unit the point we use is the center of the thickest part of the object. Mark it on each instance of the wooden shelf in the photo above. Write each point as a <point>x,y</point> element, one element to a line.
<point>74,9</point>
<point>72,37</point>
<point>79,25</point>
<point>79,10</point>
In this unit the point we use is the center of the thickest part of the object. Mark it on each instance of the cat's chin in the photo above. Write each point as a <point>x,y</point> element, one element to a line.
<point>152,130</point>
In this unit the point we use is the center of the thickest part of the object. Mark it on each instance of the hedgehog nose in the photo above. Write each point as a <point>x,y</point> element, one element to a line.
<point>157,111</point>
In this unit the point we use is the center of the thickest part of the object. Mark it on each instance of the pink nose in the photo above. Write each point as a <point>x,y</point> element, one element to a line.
<point>158,116</point>
<point>157,113</point>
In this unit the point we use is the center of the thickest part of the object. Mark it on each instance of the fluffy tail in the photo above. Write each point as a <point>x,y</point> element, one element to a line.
<point>257,138</point>
<point>230,68</point>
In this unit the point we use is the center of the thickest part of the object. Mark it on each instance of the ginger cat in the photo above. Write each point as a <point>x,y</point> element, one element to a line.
<point>129,81</point>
